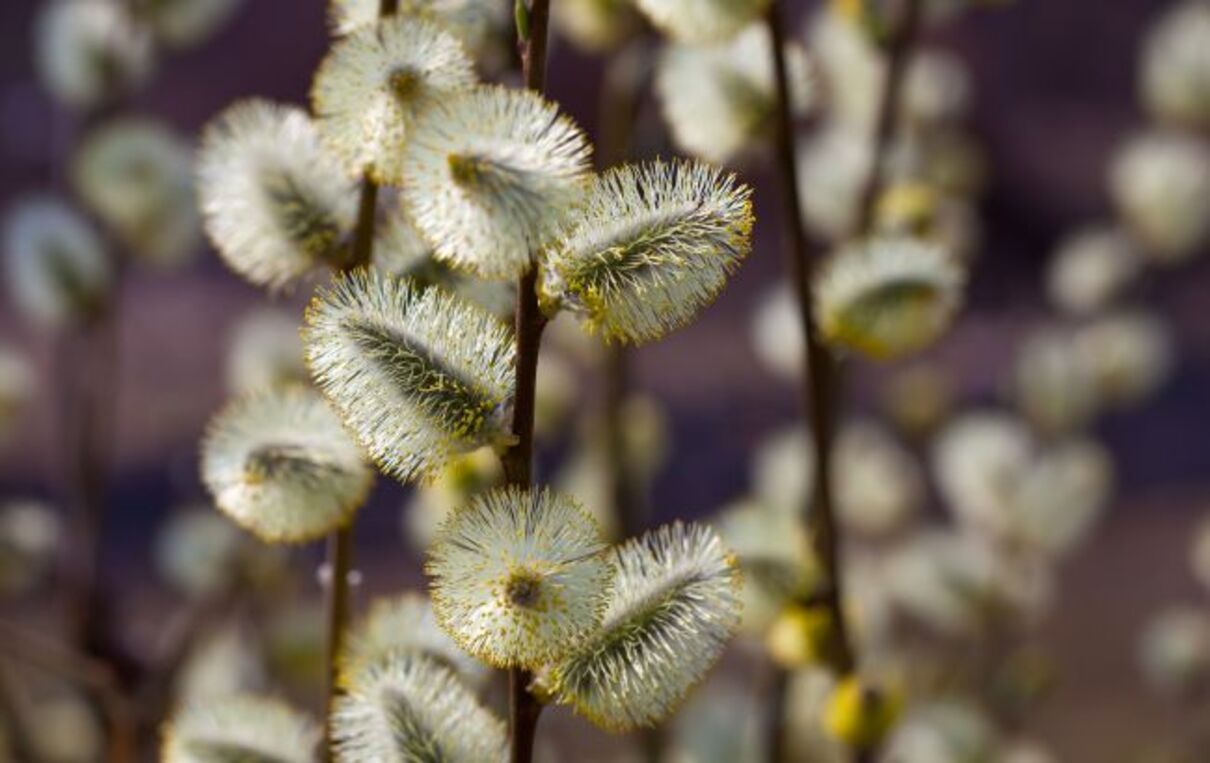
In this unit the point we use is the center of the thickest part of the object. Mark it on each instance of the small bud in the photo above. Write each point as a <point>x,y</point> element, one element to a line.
<point>861,713</point>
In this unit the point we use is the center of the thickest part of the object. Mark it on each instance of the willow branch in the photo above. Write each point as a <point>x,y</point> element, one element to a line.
<point>817,391</point>
<point>818,388</point>
<point>523,708</point>
<point>901,47</point>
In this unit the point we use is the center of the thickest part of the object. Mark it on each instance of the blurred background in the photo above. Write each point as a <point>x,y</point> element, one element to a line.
<point>1054,93</point>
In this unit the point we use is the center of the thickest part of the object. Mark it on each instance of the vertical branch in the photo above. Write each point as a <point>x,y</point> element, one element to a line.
<point>819,383</point>
<point>340,542</point>
<point>523,708</point>
<point>906,31</point>
<point>820,390</point>
<point>816,388</point>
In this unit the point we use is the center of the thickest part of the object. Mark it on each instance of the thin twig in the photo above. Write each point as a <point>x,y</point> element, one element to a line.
<point>905,32</point>
<point>524,709</point>
<point>821,382</point>
<point>340,542</point>
<point>818,387</point>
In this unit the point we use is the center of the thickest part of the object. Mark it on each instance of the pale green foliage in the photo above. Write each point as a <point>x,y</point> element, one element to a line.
<point>279,464</point>
<point>488,175</point>
<point>409,709</point>
<point>239,729</point>
<point>674,606</point>
<point>372,85</point>
<point>275,203</point>
<point>55,266</point>
<point>888,297</point>
<point>137,174</point>
<point>518,577</point>
<point>417,374</point>
<point>650,245</point>
<point>403,625</point>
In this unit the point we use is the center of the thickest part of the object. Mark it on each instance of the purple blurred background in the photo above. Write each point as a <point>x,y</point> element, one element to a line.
<point>1055,94</point>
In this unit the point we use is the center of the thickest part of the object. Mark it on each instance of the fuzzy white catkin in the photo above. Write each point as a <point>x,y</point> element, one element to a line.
<point>484,27</point>
<point>1160,181</point>
<point>701,21</point>
<point>241,726</point>
<point>996,481</point>
<point>279,463</point>
<point>1129,353</point>
<point>832,167</point>
<point>398,625</point>
<point>89,51</point>
<point>518,578</point>
<point>276,204</point>
<point>490,173</point>
<point>418,375</point>
<point>411,708</point>
<point>776,333</point>
<point>673,608</point>
<point>372,85</point>
<point>1091,268</point>
<point>1174,75</point>
<point>888,297</point>
<point>719,100</point>
<point>264,351</point>
<point>195,550</point>
<point>951,582</point>
<point>1053,382</point>
<point>877,484</point>
<point>55,266</point>
<point>648,247</point>
<point>137,175</point>
<point>945,731</point>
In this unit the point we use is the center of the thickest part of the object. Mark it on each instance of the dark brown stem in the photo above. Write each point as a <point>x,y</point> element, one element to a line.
<point>523,708</point>
<point>340,542</point>
<point>818,395</point>
<point>818,388</point>
<point>905,32</point>
<point>340,562</point>
<point>775,712</point>
<point>529,323</point>
<point>362,250</point>
<point>523,712</point>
